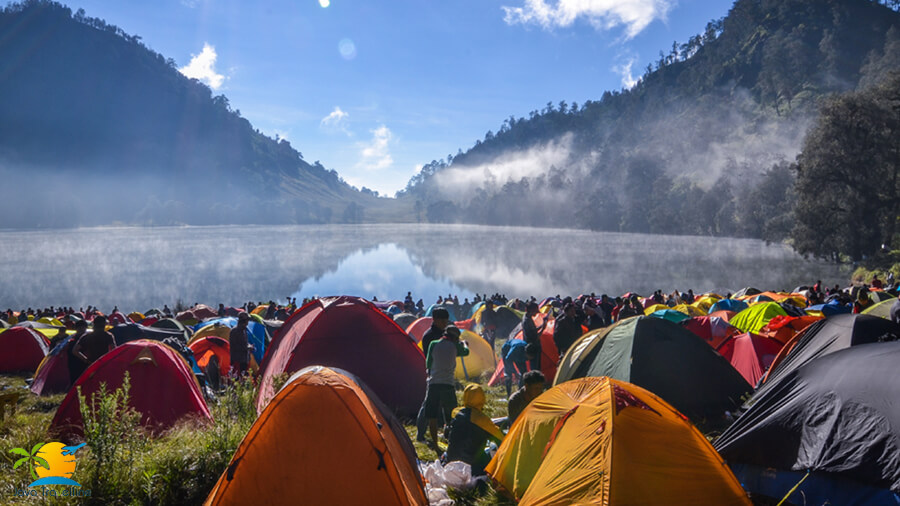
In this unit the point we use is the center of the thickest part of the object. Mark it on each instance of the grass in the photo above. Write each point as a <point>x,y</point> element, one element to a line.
<point>123,465</point>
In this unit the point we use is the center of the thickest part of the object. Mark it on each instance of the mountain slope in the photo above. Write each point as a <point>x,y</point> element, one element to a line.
<point>699,146</point>
<point>133,140</point>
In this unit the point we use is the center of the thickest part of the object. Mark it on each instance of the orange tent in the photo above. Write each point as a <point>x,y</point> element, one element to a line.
<point>783,328</point>
<point>323,439</point>
<point>601,441</point>
<point>208,346</point>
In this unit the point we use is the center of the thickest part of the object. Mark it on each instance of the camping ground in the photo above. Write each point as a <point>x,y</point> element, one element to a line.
<point>181,466</point>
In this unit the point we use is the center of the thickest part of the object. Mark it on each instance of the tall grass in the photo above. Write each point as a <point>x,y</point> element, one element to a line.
<point>123,464</point>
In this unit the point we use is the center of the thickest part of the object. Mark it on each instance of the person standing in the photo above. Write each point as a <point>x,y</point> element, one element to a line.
<point>240,347</point>
<point>531,333</point>
<point>567,329</point>
<point>94,344</point>
<point>440,394</point>
<point>440,319</point>
<point>76,365</point>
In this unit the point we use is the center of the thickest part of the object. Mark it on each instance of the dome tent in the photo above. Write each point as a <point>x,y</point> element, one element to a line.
<point>348,450</point>
<point>352,334</point>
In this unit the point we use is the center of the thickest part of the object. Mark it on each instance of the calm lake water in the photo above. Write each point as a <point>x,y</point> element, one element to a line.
<point>141,268</point>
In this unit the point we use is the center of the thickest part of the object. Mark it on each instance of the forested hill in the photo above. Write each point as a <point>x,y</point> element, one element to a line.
<point>95,128</point>
<point>700,145</point>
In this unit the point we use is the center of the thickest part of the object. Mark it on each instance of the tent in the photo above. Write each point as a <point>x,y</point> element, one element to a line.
<point>209,346</point>
<point>662,357</point>
<point>349,449</point>
<point>549,353</point>
<point>757,316</point>
<point>827,336</point>
<point>23,349</point>
<point>831,429</point>
<point>505,320</point>
<point>603,441</point>
<point>350,333</point>
<point>881,309</point>
<point>52,375</point>
<point>729,305</point>
<point>221,327</point>
<point>418,328</point>
<point>173,324</point>
<point>128,332</point>
<point>163,388</point>
<point>711,329</point>
<point>750,354</point>
<point>830,308</point>
<point>784,328</point>
<point>481,358</point>
<point>451,308</point>
<point>404,319</point>
<point>672,315</point>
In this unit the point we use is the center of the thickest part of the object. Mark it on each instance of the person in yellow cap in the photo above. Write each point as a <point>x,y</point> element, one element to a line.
<point>470,430</point>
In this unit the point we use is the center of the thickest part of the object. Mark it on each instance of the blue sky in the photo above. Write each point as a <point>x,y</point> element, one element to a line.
<point>376,89</point>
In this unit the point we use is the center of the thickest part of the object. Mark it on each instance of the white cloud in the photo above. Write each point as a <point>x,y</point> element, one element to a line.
<point>461,180</point>
<point>375,155</point>
<point>635,15</point>
<point>624,70</point>
<point>335,121</point>
<point>202,67</point>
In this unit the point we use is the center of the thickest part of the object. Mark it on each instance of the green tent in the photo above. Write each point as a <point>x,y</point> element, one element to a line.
<point>881,310</point>
<point>756,316</point>
<point>662,357</point>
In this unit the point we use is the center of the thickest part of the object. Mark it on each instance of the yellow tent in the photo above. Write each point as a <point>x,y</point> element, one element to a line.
<point>689,310</point>
<point>216,329</point>
<point>704,303</point>
<point>601,441</point>
<point>654,308</point>
<point>481,358</point>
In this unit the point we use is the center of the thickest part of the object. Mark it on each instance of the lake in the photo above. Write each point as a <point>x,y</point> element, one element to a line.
<point>141,268</point>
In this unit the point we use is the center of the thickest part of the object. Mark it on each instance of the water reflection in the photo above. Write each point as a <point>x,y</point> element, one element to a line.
<point>143,268</point>
<point>385,272</point>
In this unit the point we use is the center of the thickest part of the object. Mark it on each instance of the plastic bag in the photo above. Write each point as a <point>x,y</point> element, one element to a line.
<point>438,478</point>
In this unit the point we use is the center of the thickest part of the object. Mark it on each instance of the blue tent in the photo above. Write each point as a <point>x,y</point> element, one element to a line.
<point>832,308</point>
<point>729,305</point>
<point>450,309</point>
<point>257,333</point>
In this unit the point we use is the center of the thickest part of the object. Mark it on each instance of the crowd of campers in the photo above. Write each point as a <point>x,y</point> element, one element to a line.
<point>753,396</point>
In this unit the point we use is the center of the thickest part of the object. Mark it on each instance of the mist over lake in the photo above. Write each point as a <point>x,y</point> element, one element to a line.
<point>140,268</point>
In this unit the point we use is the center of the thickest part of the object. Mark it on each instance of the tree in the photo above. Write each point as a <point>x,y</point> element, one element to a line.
<point>848,175</point>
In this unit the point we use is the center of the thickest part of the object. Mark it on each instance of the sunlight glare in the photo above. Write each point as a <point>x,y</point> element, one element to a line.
<point>324,3</point>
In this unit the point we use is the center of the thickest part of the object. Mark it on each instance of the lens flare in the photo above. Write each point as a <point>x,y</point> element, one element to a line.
<point>324,3</point>
<point>347,49</point>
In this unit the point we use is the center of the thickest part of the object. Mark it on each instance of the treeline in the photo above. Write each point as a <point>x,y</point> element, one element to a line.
<point>702,144</point>
<point>98,113</point>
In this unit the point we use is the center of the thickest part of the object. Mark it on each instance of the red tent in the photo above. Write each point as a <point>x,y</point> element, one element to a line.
<point>712,329</point>
<point>750,354</point>
<point>352,334</point>
<point>163,388</point>
<point>783,328</point>
<point>549,352</point>
<point>418,328</point>
<point>52,376</point>
<point>21,350</point>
